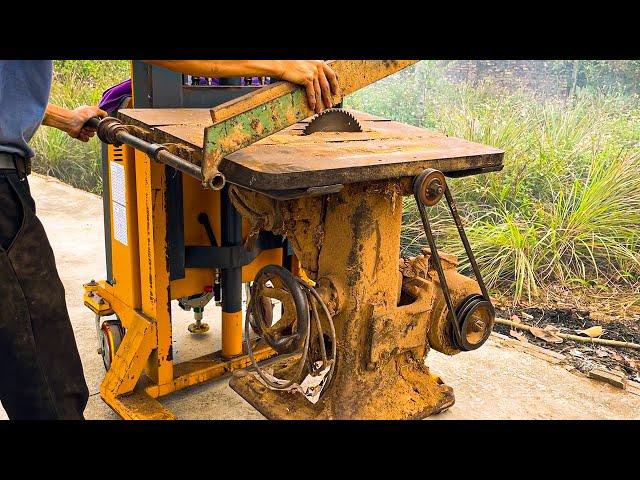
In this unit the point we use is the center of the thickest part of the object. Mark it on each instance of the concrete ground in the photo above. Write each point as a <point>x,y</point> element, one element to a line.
<point>494,382</point>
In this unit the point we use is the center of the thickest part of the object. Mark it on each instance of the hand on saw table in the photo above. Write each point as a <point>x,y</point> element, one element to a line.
<point>316,76</point>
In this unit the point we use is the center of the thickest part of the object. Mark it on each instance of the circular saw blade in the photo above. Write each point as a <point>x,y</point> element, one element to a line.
<point>333,120</point>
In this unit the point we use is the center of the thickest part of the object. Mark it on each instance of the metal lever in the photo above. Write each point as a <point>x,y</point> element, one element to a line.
<point>203,219</point>
<point>113,131</point>
<point>428,189</point>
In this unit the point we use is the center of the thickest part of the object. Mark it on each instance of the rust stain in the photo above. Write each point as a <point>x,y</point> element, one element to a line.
<point>351,240</point>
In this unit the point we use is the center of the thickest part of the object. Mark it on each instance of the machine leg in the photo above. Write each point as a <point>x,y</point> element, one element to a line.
<point>359,256</point>
<point>231,281</point>
<point>154,271</point>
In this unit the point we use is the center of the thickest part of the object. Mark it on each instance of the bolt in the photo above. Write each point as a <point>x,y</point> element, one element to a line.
<point>435,188</point>
<point>100,351</point>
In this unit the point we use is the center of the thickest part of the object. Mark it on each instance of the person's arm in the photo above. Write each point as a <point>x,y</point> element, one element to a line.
<point>72,121</point>
<point>316,76</point>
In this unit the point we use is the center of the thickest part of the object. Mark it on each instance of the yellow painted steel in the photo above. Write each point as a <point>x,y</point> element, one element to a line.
<point>197,200</point>
<point>141,291</point>
<point>140,406</point>
<point>95,303</point>
<point>207,367</point>
<point>231,334</point>
<point>154,274</point>
<point>125,264</point>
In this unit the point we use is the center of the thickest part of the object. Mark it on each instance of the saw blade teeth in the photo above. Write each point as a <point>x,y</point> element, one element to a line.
<point>310,128</point>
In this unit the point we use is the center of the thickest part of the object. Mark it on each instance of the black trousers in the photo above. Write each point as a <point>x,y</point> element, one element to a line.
<point>41,374</point>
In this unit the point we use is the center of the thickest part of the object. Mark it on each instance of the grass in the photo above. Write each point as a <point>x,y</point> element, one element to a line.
<point>76,83</point>
<point>566,207</point>
<point>564,211</point>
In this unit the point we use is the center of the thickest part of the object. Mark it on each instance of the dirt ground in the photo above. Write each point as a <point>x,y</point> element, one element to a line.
<point>494,382</point>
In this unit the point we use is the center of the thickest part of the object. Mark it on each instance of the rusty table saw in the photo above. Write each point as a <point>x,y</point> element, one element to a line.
<point>288,161</point>
<point>355,320</point>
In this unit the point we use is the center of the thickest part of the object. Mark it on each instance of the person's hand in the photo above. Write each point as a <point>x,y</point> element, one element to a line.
<point>317,77</point>
<point>76,123</point>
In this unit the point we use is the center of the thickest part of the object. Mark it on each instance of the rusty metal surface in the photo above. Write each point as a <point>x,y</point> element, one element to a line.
<point>154,117</point>
<point>349,243</point>
<point>352,75</point>
<point>258,116</point>
<point>384,150</point>
<point>277,405</point>
<point>290,160</point>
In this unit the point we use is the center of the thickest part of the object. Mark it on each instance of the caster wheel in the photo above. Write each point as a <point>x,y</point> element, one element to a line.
<point>111,335</point>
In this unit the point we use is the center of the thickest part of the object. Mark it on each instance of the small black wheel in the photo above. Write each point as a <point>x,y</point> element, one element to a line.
<point>111,335</point>
<point>476,317</point>
<point>429,186</point>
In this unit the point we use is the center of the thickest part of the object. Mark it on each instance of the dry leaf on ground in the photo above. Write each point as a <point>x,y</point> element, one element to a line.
<point>547,334</point>
<point>592,332</point>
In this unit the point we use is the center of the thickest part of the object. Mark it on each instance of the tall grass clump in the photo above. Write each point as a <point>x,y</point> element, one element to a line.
<point>76,83</point>
<point>566,207</point>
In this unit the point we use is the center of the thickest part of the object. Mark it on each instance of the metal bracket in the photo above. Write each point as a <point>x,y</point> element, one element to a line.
<point>229,257</point>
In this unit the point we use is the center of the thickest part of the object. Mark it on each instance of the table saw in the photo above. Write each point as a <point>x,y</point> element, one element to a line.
<point>210,188</point>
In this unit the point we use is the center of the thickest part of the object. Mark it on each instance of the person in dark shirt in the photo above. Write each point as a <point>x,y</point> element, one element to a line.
<point>41,375</point>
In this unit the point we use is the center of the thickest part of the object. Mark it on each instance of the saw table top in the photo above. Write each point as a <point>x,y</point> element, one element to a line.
<point>289,160</point>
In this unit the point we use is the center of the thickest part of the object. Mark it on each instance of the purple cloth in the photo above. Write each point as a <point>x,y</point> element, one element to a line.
<point>112,97</point>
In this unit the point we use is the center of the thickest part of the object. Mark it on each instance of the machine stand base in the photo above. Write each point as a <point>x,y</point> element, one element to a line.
<point>286,405</point>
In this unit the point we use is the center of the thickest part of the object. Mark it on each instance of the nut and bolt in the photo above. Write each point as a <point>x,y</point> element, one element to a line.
<point>435,188</point>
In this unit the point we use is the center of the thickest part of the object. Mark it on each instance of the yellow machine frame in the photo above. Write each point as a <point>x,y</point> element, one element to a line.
<point>142,292</point>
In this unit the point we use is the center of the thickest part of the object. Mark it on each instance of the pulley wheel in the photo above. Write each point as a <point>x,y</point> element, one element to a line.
<point>475,316</point>
<point>288,334</point>
<point>429,186</point>
<point>111,335</point>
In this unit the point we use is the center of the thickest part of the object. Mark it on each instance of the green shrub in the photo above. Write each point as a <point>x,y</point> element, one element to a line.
<point>565,208</point>
<point>75,83</point>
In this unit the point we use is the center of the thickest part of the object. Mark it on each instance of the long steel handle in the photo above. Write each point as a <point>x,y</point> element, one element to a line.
<point>113,131</point>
